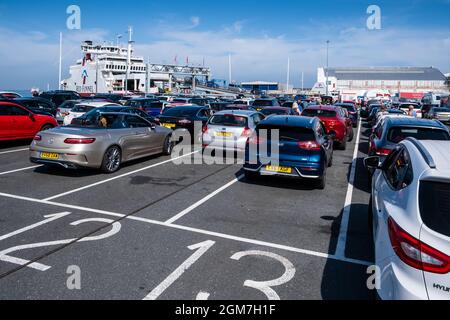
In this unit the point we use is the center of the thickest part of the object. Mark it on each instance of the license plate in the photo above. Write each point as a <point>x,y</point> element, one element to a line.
<point>279,169</point>
<point>224,134</point>
<point>49,155</point>
<point>169,125</point>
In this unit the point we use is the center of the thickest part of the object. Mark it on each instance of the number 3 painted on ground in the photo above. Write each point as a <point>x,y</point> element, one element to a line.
<point>266,286</point>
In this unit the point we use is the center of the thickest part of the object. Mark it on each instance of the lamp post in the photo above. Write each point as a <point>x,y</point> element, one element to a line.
<point>328,45</point>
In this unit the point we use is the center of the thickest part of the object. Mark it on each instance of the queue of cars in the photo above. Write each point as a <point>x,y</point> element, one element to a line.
<point>409,208</point>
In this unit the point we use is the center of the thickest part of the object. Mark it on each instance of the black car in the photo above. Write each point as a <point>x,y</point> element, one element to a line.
<point>38,104</point>
<point>184,118</point>
<point>262,103</point>
<point>92,116</point>
<point>352,112</point>
<point>58,97</point>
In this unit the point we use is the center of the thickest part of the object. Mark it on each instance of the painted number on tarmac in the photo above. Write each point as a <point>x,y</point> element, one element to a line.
<point>5,254</point>
<point>203,247</point>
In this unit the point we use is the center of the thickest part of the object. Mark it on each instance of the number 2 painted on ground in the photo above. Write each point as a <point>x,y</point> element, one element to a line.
<point>5,254</point>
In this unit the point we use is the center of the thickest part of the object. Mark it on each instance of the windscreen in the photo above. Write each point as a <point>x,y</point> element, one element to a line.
<point>434,198</point>
<point>263,103</point>
<point>82,109</point>
<point>319,113</point>
<point>398,134</point>
<point>290,133</point>
<point>229,121</point>
<point>181,112</point>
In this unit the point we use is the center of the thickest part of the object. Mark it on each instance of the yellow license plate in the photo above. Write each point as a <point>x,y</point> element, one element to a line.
<point>48,155</point>
<point>279,169</point>
<point>169,125</point>
<point>224,134</point>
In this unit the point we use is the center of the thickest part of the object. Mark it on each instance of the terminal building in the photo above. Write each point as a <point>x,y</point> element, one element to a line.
<point>407,82</point>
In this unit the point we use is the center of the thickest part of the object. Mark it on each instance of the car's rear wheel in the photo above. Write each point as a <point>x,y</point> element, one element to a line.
<point>343,145</point>
<point>250,175</point>
<point>168,146</point>
<point>112,160</point>
<point>322,181</point>
<point>352,135</point>
<point>47,127</point>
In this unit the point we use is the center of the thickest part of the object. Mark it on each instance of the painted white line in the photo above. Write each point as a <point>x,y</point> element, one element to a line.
<point>201,249</point>
<point>49,218</point>
<point>193,230</point>
<point>202,201</point>
<point>118,177</point>
<point>19,170</point>
<point>13,151</point>
<point>342,240</point>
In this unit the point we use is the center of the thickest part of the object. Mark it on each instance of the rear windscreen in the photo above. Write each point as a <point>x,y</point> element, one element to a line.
<point>82,109</point>
<point>435,206</point>
<point>319,113</point>
<point>263,103</point>
<point>398,134</point>
<point>290,133</point>
<point>229,121</point>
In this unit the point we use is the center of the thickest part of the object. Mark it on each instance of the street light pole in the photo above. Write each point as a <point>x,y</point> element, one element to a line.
<point>328,44</point>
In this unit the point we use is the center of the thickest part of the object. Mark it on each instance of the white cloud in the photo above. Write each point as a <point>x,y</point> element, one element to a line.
<point>31,59</point>
<point>195,22</point>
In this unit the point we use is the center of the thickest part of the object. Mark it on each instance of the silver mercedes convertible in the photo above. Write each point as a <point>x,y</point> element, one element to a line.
<point>104,143</point>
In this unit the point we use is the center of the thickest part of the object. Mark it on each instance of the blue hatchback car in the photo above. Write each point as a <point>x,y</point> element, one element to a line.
<point>295,147</point>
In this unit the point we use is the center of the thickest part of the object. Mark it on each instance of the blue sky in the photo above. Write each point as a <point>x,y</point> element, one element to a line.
<point>260,35</point>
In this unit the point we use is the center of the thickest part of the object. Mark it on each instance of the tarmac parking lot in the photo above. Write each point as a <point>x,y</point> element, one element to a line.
<point>156,230</point>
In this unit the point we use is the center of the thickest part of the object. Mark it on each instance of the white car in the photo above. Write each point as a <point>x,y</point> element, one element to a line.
<point>82,108</point>
<point>410,208</point>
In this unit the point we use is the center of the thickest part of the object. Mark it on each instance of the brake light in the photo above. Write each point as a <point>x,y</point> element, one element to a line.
<point>309,145</point>
<point>157,120</point>
<point>184,122</point>
<point>256,140</point>
<point>79,140</point>
<point>205,129</point>
<point>415,253</point>
<point>383,152</point>
<point>37,138</point>
<point>247,132</point>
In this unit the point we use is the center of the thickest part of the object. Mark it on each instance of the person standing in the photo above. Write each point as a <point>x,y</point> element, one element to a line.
<point>296,108</point>
<point>412,112</point>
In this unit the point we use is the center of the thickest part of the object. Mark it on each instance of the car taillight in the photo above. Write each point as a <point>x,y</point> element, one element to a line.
<point>157,120</point>
<point>247,133</point>
<point>256,140</point>
<point>79,140</point>
<point>415,253</point>
<point>184,122</point>
<point>58,110</point>
<point>309,145</point>
<point>205,129</point>
<point>383,152</point>
<point>37,138</point>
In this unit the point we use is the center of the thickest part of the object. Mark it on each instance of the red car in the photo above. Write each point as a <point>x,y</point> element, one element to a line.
<point>17,122</point>
<point>336,122</point>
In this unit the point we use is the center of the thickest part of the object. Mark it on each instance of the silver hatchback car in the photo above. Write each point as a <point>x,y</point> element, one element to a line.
<point>411,221</point>
<point>230,130</point>
<point>113,138</point>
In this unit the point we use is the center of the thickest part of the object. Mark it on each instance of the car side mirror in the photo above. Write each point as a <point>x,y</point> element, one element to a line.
<point>372,163</point>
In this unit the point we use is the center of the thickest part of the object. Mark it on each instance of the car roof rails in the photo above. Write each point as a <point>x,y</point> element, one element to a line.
<point>423,151</point>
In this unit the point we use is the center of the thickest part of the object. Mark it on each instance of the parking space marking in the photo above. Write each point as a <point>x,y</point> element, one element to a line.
<point>201,250</point>
<point>49,218</point>
<point>118,177</point>
<point>193,230</point>
<point>342,240</point>
<point>18,170</point>
<point>13,151</point>
<point>203,201</point>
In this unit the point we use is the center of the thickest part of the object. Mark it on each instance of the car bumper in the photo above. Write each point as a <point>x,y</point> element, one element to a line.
<point>66,160</point>
<point>299,170</point>
<point>225,144</point>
